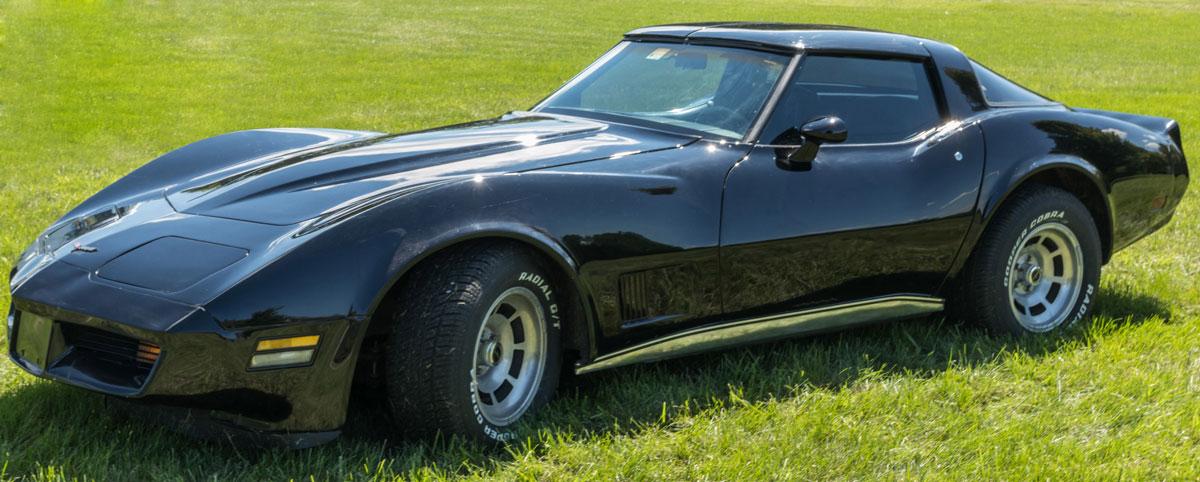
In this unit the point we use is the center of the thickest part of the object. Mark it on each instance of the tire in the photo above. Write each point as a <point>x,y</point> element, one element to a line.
<point>1036,268</point>
<point>475,343</point>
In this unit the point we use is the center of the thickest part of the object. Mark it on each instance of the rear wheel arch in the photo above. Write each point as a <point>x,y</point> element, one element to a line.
<point>1076,176</point>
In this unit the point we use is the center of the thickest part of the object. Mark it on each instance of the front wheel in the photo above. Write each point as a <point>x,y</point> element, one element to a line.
<point>1037,267</point>
<point>474,344</point>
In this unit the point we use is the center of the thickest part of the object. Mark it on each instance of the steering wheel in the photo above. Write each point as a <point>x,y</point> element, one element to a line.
<point>721,116</point>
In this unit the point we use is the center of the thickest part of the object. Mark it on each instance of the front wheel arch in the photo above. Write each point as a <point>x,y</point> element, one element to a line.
<point>577,334</point>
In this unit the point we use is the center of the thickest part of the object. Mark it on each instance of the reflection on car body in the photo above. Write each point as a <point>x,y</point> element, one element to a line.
<point>699,186</point>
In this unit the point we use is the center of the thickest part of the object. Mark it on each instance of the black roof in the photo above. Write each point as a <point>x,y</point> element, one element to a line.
<point>788,37</point>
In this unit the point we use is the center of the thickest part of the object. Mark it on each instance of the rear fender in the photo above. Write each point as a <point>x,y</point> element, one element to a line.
<point>1124,163</point>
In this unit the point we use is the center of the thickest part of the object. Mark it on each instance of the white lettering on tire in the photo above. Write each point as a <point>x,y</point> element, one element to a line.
<point>1012,255</point>
<point>1046,216</point>
<point>1087,300</point>
<point>544,287</point>
<point>488,429</point>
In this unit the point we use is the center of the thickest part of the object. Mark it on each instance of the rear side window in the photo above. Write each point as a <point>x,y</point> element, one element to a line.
<point>999,90</point>
<point>880,100</point>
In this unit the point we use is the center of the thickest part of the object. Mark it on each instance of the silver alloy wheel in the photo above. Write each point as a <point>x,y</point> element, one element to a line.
<point>510,356</point>
<point>1045,277</point>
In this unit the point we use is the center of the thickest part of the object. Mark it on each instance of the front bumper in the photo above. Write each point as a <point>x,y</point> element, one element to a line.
<point>66,327</point>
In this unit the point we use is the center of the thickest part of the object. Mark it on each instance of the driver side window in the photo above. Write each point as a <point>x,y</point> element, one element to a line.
<point>880,100</point>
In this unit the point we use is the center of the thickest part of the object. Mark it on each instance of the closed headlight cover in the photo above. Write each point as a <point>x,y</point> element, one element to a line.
<point>170,264</point>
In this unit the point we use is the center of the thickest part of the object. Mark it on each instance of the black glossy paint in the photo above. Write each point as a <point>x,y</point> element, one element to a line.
<point>795,239</point>
<point>787,37</point>
<point>279,232</point>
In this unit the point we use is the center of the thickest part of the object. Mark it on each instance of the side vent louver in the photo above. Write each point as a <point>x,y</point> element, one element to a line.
<point>653,296</point>
<point>634,303</point>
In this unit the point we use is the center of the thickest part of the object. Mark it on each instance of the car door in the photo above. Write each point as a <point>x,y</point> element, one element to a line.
<point>882,213</point>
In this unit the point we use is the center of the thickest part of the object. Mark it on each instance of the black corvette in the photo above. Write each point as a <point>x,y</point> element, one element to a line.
<point>697,187</point>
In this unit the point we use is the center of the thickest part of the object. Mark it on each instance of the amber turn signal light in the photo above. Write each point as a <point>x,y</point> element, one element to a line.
<point>1158,203</point>
<point>284,352</point>
<point>288,343</point>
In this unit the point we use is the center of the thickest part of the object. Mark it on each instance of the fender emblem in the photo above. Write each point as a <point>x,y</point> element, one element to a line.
<point>86,249</point>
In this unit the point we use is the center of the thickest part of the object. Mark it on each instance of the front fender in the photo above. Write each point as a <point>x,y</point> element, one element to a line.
<point>577,215</point>
<point>347,270</point>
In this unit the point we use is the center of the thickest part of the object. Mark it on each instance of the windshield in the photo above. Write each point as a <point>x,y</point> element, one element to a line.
<point>714,90</point>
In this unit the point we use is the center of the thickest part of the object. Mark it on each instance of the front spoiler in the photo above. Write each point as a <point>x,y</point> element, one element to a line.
<point>201,424</point>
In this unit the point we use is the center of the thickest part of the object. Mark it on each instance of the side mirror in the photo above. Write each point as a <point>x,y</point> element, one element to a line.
<point>825,129</point>
<point>799,145</point>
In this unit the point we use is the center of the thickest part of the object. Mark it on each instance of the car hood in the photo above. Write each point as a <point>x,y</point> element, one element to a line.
<point>302,184</point>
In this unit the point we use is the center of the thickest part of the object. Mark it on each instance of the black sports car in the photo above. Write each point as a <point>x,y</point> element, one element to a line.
<point>697,187</point>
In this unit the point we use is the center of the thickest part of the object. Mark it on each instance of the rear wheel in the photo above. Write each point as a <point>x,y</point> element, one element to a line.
<point>475,343</point>
<point>1037,267</point>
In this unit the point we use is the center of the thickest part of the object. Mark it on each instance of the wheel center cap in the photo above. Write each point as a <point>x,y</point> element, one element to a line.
<point>492,353</point>
<point>1029,275</point>
<point>1034,275</point>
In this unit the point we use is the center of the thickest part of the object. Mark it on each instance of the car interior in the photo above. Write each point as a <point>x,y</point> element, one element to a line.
<point>879,100</point>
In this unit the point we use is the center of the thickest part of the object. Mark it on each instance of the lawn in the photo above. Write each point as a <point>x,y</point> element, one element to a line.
<point>89,90</point>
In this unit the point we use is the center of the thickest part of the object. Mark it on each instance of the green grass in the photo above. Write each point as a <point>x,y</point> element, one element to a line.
<point>89,90</point>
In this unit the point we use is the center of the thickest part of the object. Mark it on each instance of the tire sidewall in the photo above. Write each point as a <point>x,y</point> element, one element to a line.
<point>1065,210</point>
<point>525,274</point>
